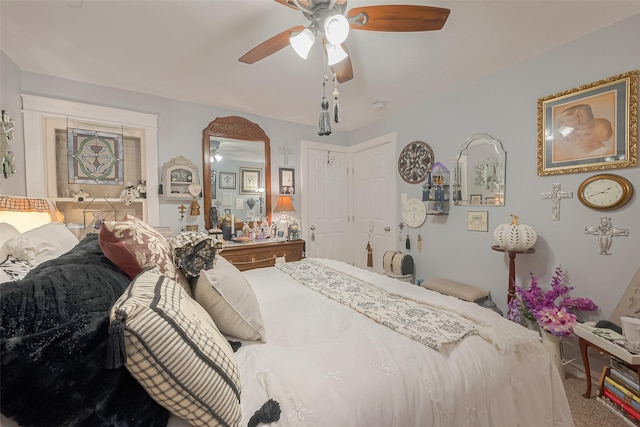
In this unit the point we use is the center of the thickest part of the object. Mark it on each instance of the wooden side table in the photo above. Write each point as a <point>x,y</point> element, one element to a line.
<point>247,256</point>
<point>512,268</point>
<point>586,339</point>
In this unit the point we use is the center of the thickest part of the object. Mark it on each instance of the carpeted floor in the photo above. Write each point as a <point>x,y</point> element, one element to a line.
<point>589,412</point>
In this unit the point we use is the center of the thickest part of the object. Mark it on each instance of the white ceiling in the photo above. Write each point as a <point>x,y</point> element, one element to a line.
<point>189,50</point>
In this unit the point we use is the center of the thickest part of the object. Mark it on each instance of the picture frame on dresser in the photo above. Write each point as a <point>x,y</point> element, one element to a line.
<point>589,128</point>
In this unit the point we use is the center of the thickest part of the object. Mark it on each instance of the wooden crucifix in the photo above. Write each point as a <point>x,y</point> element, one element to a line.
<point>555,196</point>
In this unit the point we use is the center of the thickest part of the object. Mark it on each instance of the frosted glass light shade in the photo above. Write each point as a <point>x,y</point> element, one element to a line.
<point>335,54</point>
<point>336,29</point>
<point>301,42</point>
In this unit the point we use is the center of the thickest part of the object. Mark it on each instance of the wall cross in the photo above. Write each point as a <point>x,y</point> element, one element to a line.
<point>606,232</point>
<point>555,196</point>
<point>285,151</point>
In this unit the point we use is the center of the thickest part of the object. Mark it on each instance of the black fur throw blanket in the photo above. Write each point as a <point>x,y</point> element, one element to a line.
<point>54,334</point>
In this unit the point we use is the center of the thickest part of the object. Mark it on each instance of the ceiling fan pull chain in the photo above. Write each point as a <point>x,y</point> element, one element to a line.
<point>336,105</point>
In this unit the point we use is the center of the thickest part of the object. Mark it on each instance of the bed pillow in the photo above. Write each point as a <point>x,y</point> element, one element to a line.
<point>230,301</point>
<point>7,232</point>
<point>41,244</point>
<point>176,352</point>
<point>53,340</point>
<point>133,245</point>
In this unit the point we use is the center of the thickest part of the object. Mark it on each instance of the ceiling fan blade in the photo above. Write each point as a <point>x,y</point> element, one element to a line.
<point>270,46</point>
<point>397,18</point>
<point>343,69</point>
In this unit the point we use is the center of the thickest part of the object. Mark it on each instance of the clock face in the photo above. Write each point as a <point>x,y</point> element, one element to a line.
<point>414,212</point>
<point>605,192</point>
<point>415,162</point>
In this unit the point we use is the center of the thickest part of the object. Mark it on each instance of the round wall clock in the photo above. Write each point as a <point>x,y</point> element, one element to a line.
<point>415,162</point>
<point>414,212</point>
<point>605,192</point>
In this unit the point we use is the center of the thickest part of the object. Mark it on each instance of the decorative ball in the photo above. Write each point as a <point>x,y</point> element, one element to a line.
<point>514,236</point>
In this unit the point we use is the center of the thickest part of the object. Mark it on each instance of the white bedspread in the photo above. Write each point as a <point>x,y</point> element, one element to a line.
<point>328,365</point>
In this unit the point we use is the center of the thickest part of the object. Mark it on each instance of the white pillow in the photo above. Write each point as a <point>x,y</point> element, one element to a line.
<point>42,243</point>
<point>175,351</point>
<point>7,232</point>
<point>230,301</point>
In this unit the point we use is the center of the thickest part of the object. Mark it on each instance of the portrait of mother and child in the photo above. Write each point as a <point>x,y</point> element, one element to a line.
<point>580,135</point>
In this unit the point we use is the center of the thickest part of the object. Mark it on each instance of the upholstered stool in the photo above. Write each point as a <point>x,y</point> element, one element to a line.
<point>456,289</point>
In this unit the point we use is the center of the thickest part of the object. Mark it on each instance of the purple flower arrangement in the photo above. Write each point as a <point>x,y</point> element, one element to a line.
<point>553,310</point>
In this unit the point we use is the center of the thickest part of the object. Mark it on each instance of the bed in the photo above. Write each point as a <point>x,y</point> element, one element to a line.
<point>332,344</point>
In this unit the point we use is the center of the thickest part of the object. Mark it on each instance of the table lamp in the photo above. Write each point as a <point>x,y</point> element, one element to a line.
<point>284,206</point>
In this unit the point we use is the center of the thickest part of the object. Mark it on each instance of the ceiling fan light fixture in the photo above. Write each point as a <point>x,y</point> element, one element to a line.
<point>335,54</point>
<point>336,29</point>
<point>302,42</point>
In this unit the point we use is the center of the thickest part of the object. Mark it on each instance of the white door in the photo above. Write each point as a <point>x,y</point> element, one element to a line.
<point>325,210</point>
<point>374,200</point>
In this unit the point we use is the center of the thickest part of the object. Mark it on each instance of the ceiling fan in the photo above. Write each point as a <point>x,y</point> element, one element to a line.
<point>328,18</point>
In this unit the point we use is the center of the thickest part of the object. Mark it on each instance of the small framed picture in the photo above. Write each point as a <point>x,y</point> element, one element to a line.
<point>477,221</point>
<point>226,199</point>
<point>227,180</point>
<point>250,180</point>
<point>227,212</point>
<point>239,204</point>
<point>287,181</point>
<point>490,201</point>
<point>475,199</point>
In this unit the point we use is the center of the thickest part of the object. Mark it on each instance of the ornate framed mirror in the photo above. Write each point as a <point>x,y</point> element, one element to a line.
<point>236,138</point>
<point>480,171</point>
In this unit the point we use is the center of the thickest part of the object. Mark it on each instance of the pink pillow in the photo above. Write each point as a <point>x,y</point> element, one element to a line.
<point>133,245</point>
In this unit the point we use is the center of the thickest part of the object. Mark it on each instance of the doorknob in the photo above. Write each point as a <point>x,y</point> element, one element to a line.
<point>312,227</point>
<point>387,229</point>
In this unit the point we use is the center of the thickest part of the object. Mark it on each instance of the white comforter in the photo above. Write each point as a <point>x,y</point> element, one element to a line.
<point>329,366</point>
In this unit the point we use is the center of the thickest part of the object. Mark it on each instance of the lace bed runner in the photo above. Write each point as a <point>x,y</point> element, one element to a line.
<point>428,325</point>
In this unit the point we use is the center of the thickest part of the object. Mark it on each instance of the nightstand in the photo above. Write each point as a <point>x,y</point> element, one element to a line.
<point>250,255</point>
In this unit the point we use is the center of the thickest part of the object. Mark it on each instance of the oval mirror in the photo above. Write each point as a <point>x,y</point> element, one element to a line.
<point>236,167</point>
<point>479,172</point>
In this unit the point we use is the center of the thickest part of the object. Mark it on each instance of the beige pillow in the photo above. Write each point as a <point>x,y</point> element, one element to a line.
<point>456,289</point>
<point>230,301</point>
<point>41,244</point>
<point>176,352</point>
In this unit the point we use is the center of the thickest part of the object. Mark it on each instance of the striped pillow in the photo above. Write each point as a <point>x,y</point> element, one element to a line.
<point>175,350</point>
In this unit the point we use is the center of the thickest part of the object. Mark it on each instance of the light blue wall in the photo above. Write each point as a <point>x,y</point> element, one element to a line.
<point>504,105</point>
<point>180,126</point>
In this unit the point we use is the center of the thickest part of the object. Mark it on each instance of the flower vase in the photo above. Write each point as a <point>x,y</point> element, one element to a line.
<point>552,344</point>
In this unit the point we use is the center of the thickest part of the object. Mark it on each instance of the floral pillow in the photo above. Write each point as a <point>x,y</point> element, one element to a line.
<point>133,245</point>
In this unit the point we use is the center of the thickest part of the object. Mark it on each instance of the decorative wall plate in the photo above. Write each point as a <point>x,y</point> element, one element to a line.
<point>415,161</point>
<point>414,213</point>
<point>605,192</point>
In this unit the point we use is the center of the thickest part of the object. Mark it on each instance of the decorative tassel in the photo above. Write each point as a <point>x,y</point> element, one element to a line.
<point>116,350</point>
<point>369,255</point>
<point>268,413</point>
<point>324,123</point>
<point>408,244</point>
<point>419,243</point>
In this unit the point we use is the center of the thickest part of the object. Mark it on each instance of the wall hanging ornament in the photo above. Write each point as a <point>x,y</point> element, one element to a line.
<point>419,243</point>
<point>606,232</point>
<point>324,122</point>
<point>555,196</point>
<point>369,247</point>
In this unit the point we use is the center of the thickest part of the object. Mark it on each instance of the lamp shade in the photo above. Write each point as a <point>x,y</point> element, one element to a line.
<point>335,54</point>
<point>284,204</point>
<point>336,29</point>
<point>301,42</point>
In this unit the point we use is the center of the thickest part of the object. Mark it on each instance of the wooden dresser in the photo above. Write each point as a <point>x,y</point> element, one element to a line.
<point>248,256</point>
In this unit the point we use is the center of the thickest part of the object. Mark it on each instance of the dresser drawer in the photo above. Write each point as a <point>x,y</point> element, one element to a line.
<point>258,255</point>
